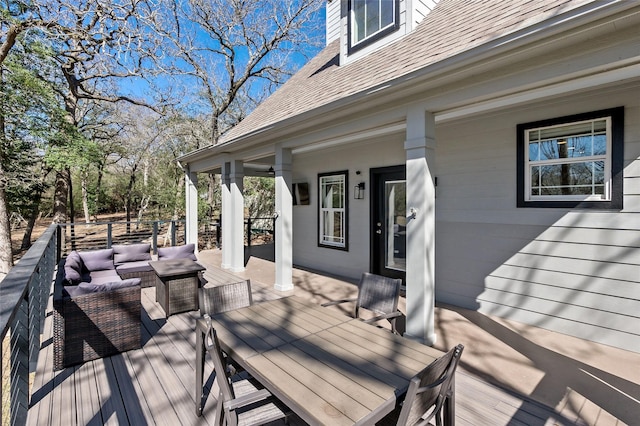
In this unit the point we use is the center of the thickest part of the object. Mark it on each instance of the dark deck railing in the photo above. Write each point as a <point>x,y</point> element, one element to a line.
<point>24,293</point>
<point>97,235</point>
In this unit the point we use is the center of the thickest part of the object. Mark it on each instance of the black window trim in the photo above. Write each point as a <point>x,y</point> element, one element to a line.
<point>344,173</point>
<point>617,161</point>
<point>352,48</point>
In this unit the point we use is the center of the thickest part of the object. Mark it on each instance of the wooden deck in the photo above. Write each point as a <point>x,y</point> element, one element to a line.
<point>155,384</point>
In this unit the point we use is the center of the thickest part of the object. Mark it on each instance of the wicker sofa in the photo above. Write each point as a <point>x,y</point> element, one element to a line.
<point>132,261</point>
<point>96,312</point>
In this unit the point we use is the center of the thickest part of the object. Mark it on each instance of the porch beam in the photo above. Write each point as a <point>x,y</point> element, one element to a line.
<point>236,177</point>
<point>191,194</point>
<point>420,148</point>
<point>284,220</point>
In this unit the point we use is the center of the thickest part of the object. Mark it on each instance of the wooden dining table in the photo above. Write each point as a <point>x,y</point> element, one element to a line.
<point>328,368</point>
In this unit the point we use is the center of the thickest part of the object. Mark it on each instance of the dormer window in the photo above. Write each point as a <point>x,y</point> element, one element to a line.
<point>369,20</point>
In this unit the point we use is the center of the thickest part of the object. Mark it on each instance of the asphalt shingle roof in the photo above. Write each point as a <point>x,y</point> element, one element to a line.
<point>453,27</point>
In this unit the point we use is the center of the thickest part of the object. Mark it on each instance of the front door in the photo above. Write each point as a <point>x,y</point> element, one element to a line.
<point>388,221</point>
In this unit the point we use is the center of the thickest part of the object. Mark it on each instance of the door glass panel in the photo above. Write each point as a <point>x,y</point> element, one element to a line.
<point>396,220</point>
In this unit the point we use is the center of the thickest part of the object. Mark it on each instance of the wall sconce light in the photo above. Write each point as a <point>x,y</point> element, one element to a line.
<point>358,191</point>
<point>271,172</point>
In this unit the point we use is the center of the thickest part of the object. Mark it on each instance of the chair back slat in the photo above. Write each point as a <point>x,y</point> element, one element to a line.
<point>429,390</point>
<point>378,294</point>
<point>219,365</point>
<point>226,297</point>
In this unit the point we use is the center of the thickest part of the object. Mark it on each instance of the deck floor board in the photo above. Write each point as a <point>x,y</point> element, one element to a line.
<point>154,385</point>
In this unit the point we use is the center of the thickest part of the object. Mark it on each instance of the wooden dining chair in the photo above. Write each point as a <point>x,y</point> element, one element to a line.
<point>226,297</point>
<point>214,300</point>
<point>431,394</point>
<point>241,401</point>
<point>379,295</point>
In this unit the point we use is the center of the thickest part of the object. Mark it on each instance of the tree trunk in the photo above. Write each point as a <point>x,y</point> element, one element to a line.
<point>35,209</point>
<point>72,210</point>
<point>31,222</point>
<point>6,253</point>
<point>96,199</point>
<point>60,198</point>
<point>85,197</point>
<point>144,202</point>
<point>175,215</point>
<point>128,195</point>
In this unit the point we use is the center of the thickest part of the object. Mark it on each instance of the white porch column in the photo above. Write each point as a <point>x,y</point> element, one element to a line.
<point>420,148</point>
<point>284,222</point>
<point>226,215</point>
<point>191,194</point>
<point>236,176</point>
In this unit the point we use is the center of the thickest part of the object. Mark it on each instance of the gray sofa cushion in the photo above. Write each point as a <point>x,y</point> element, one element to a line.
<point>178,252</point>
<point>97,260</point>
<point>131,267</point>
<point>73,268</point>
<point>101,277</point>
<point>131,253</point>
<point>88,288</point>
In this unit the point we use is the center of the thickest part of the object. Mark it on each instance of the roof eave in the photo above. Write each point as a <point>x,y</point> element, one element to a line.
<point>384,93</point>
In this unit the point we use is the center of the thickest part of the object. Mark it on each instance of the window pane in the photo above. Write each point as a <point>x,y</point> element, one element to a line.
<point>600,145</point>
<point>386,13</point>
<point>553,149</point>
<point>332,226</point>
<point>337,225</point>
<point>535,180</point>
<point>566,130</point>
<point>359,19</point>
<point>373,17</point>
<point>569,161</point>
<point>534,151</point>
<point>569,141</point>
<point>569,179</point>
<point>332,210</point>
<point>332,192</point>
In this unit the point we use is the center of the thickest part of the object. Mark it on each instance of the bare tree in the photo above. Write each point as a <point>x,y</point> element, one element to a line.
<point>234,52</point>
<point>141,134</point>
<point>98,44</point>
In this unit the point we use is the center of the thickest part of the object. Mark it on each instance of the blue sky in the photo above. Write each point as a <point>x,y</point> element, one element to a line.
<point>186,88</point>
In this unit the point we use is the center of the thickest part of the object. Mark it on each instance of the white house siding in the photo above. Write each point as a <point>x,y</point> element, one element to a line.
<point>569,270</point>
<point>421,9</point>
<point>332,20</point>
<point>387,151</point>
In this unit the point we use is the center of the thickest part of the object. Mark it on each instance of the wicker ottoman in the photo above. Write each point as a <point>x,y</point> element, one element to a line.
<point>177,284</point>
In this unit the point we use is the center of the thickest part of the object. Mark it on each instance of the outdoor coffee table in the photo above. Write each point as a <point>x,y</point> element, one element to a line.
<point>177,284</point>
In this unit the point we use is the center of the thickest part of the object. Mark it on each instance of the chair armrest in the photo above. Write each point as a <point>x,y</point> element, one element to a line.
<point>337,302</point>
<point>381,317</point>
<point>247,399</point>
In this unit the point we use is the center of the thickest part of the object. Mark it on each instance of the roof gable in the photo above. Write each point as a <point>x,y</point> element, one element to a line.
<point>453,27</point>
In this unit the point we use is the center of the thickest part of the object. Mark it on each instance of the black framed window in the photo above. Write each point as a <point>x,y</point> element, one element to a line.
<point>333,210</point>
<point>573,161</point>
<point>370,20</point>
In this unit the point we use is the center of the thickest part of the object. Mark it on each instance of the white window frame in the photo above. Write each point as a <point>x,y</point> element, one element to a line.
<point>606,158</point>
<point>326,240</point>
<point>612,197</point>
<point>354,43</point>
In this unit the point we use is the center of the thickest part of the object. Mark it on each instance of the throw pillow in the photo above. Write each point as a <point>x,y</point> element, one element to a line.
<point>97,260</point>
<point>73,268</point>
<point>178,252</point>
